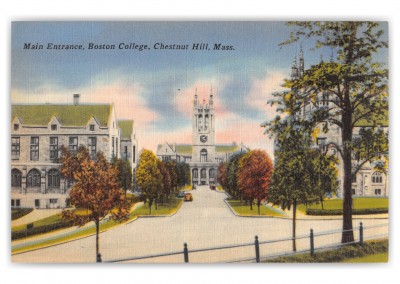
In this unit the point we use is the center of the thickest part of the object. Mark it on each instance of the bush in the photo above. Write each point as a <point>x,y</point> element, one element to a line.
<point>18,213</point>
<point>346,252</point>
<point>320,212</point>
<point>39,230</point>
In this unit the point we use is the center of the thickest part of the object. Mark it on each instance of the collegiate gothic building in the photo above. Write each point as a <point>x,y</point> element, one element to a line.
<point>39,131</point>
<point>368,181</point>
<point>203,155</point>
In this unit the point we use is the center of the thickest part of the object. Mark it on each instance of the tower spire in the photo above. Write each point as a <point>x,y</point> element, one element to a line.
<point>295,69</point>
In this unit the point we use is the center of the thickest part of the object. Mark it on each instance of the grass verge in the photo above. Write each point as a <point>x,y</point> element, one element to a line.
<point>244,210</point>
<point>350,252</point>
<point>20,212</point>
<point>166,208</point>
<point>359,203</point>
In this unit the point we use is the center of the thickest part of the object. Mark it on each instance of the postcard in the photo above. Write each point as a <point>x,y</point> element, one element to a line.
<point>199,142</point>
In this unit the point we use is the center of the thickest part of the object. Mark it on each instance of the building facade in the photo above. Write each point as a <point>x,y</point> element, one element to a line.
<point>368,181</point>
<point>37,134</point>
<point>203,155</point>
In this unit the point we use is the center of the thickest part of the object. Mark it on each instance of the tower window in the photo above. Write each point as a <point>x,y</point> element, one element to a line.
<point>203,155</point>
<point>376,177</point>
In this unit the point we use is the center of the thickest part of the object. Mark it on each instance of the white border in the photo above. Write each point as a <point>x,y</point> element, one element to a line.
<point>12,10</point>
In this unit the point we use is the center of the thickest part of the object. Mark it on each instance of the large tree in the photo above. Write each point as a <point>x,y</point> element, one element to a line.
<point>165,181</point>
<point>232,170</point>
<point>222,178</point>
<point>95,188</point>
<point>254,175</point>
<point>148,177</point>
<point>124,173</point>
<point>354,83</point>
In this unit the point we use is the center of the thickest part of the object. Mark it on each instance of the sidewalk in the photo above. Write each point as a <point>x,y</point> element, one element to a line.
<point>35,215</point>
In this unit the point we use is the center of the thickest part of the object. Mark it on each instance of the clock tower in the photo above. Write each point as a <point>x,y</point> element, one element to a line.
<point>203,138</point>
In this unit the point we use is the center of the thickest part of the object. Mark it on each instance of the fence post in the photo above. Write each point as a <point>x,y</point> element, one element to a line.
<point>185,253</point>
<point>98,258</point>
<point>257,245</point>
<point>361,234</point>
<point>312,242</point>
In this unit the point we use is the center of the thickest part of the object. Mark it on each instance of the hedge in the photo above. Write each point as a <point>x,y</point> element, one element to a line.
<point>338,255</point>
<point>18,213</point>
<point>39,230</point>
<point>316,212</point>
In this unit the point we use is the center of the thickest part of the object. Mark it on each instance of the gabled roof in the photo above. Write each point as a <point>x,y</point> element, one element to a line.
<point>126,128</point>
<point>68,115</point>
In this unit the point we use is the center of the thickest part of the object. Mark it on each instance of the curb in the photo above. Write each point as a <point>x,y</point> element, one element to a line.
<point>255,216</point>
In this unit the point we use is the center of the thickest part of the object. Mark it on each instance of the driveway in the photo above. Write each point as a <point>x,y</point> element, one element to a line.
<point>205,222</point>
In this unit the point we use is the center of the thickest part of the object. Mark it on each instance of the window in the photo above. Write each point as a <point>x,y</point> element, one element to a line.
<point>92,146</point>
<point>37,203</point>
<point>200,122</point>
<point>34,148</point>
<point>206,122</point>
<point>203,173</point>
<point>354,179</point>
<point>16,126</point>
<point>12,202</point>
<point>91,127</point>
<point>353,191</point>
<point>33,178</point>
<point>53,148</point>
<point>54,127</point>
<point>116,147</point>
<point>73,144</point>
<point>378,191</point>
<point>211,173</point>
<point>53,201</point>
<point>325,99</point>
<point>195,173</point>
<point>321,141</point>
<point>125,152</point>
<point>53,178</point>
<point>15,178</point>
<point>134,154</point>
<point>203,155</point>
<point>166,158</point>
<point>15,147</point>
<point>376,177</point>
<point>112,146</point>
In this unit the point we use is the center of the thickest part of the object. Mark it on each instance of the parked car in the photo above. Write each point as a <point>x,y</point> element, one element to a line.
<point>212,186</point>
<point>181,194</point>
<point>188,197</point>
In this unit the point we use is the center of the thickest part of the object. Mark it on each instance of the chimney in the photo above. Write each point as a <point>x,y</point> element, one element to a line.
<point>76,99</point>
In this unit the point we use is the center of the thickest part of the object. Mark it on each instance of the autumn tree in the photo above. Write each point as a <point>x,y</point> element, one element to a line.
<point>165,181</point>
<point>171,167</point>
<point>222,178</point>
<point>148,177</point>
<point>232,180</point>
<point>124,173</point>
<point>95,188</point>
<point>183,174</point>
<point>355,87</point>
<point>254,175</point>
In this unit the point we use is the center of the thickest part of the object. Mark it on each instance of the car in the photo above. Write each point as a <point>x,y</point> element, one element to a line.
<point>212,186</point>
<point>181,194</point>
<point>188,197</point>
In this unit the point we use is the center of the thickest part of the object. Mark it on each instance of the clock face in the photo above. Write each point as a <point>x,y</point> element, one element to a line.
<point>203,138</point>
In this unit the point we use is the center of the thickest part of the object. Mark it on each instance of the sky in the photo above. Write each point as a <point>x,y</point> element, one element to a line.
<point>156,87</point>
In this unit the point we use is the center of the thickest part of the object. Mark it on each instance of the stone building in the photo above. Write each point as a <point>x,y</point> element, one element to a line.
<point>368,181</point>
<point>39,131</point>
<point>203,155</point>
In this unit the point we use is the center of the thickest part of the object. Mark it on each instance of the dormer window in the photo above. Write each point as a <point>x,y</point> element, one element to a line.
<point>91,127</point>
<point>54,127</point>
<point>16,126</point>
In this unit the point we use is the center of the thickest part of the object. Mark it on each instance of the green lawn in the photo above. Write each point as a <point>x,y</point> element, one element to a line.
<point>379,257</point>
<point>56,218</point>
<point>244,210</point>
<point>167,208</point>
<point>358,203</point>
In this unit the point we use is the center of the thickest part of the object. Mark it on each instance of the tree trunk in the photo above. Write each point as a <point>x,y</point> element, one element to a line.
<point>347,234</point>
<point>294,225</point>
<point>150,204</point>
<point>259,204</point>
<point>251,204</point>
<point>322,202</point>
<point>97,223</point>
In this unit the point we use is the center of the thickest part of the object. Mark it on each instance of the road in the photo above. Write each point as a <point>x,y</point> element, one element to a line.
<point>205,222</point>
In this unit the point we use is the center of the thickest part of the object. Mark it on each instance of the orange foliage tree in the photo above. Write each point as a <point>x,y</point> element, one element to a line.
<point>254,176</point>
<point>95,189</point>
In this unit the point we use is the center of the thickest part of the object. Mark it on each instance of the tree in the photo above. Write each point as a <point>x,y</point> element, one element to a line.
<point>232,170</point>
<point>171,166</point>
<point>148,177</point>
<point>254,175</point>
<point>222,178</point>
<point>354,83</point>
<point>183,174</point>
<point>165,181</point>
<point>96,189</point>
<point>124,173</point>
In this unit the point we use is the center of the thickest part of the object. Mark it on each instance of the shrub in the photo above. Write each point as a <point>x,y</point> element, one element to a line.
<point>39,230</point>
<point>18,213</point>
<point>316,212</point>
